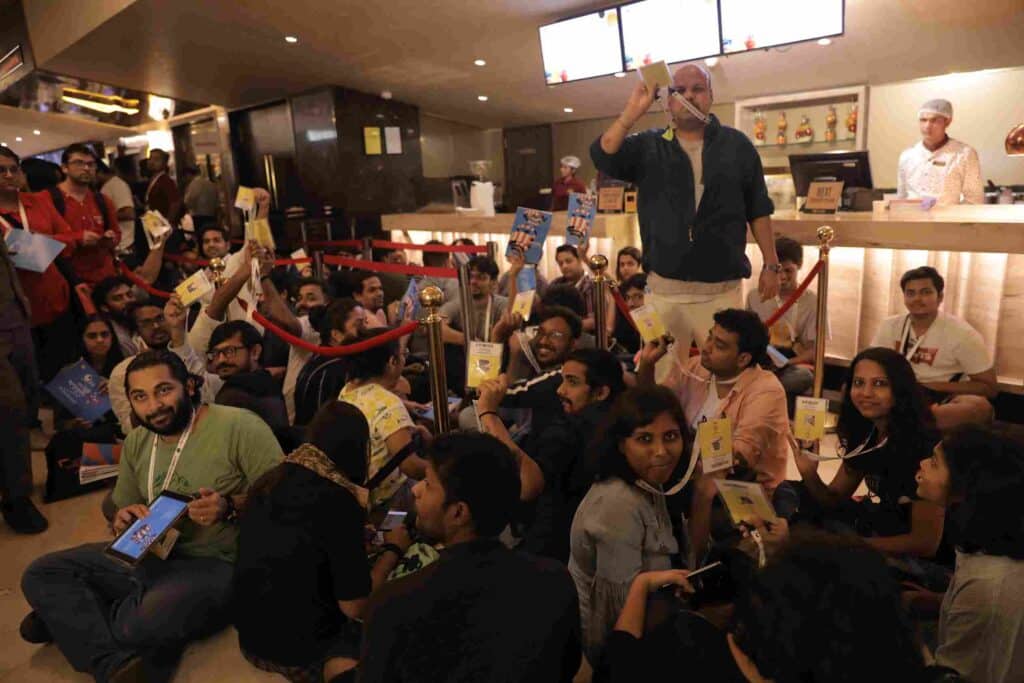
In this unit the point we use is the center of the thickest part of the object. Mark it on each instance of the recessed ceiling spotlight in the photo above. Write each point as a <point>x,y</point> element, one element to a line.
<point>824,41</point>
<point>36,132</point>
<point>567,110</point>
<point>17,139</point>
<point>291,39</point>
<point>482,98</point>
<point>621,74</point>
<point>385,95</point>
<point>711,62</point>
<point>480,62</point>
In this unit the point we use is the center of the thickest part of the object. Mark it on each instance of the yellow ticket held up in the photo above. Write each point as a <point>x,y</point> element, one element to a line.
<point>745,501</point>
<point>484,363</point>
<point>198,285</point>
<point>245,199</point>
<point>715,440</point>
<point>523,303</point>
<point>259,230</point>
<point>648,323</point>
<point>809,423</point>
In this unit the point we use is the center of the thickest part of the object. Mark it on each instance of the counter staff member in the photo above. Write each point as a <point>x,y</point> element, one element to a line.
<point>700,185</point>
<point>566,183</point>
<point>939,166</point>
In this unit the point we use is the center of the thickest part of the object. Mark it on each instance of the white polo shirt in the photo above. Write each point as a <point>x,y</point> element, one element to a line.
<point>949,347</point>
<point>945,174</point>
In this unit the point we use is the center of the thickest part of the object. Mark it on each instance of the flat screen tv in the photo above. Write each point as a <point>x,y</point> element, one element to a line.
<point>582,47</point>
<point>669,30</point>
<point>755,24</point>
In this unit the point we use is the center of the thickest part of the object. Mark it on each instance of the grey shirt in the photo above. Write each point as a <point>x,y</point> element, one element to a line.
<point>619,531</point>
<point>981,625</point>
<point>453,312</point>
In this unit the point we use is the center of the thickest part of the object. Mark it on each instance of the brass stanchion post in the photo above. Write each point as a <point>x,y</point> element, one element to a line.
<point>217,266</point>
<point>599,264</point>
<point>492,250</point>
<point>825,236</point>
<point>431,299</point>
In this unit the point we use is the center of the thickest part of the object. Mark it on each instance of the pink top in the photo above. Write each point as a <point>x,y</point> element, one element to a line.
<point>756,405</point>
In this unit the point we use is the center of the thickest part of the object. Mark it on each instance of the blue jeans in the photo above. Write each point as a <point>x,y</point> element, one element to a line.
<point>101,613</point>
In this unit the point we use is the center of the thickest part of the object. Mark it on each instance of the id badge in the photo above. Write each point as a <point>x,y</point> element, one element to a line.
<point>162,548</point>
<point>715,439</point>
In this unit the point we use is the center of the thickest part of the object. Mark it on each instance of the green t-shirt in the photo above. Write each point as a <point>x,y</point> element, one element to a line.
<point>228,450</point>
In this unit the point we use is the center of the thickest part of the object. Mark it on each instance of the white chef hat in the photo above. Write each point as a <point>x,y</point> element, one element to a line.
<point>571,161</point>
<point>938,107</point>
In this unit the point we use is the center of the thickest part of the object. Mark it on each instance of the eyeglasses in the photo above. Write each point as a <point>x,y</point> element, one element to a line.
<point>151,322</point>
<point>554,335</point>
<point>228,352</point>
<point>9,170</point>
<point>83,163</point>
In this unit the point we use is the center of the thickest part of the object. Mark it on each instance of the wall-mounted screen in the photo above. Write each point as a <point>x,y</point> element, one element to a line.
<point>581,47</point>
<point>669,30</point>
<point>755,24</point>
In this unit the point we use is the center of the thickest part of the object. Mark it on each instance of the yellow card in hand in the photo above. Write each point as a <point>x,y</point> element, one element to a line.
<point>715,439</point>
<point>194,287</point>
<point>745,501</point>
<point>648,323</point>
<point>245,199</point>
<point>484,363</point>
<point>809,423</point>
<point>259,230</point>
<point>523,303</point>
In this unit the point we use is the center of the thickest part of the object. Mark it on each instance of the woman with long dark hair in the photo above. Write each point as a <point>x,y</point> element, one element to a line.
<point>885,429</point>
<point>979,476</point>
<point>99,345</point>
<point>628,263</point>
<point>302,579</point>
<point>622,527</point>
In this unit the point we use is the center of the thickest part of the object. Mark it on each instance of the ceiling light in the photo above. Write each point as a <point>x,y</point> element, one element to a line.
<point>711,62</point>
<point>567,110</point>
<point>36,132</point>
<point>482,98</point>
<point>480,62</point>
<point>105,104</point>
<point>621,74</point>
<point>291,39</point>
<point>824,41</point>
<point>17,139</point>
<point>385,94</point>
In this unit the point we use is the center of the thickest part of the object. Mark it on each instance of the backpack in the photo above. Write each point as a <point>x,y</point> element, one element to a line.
<point>101,202</point>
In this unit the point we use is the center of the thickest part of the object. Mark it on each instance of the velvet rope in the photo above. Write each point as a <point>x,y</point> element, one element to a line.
<point>128,273</point>
<point>444,248</point>
<point>788,303</point>
<point>360,264</point>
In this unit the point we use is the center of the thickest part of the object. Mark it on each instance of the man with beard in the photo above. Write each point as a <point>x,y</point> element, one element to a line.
<point>323,377</point>
<point>121,623</point>
<point>481,612</point>
<point>113,296</point>
<point>591,380</point>
<point>234,356</point>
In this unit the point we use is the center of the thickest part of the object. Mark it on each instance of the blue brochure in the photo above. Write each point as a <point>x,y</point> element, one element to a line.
<point>529,230</point>
<point>32,251</point>
<point>526,279</point>
<point>582,210</point>
<point>77,387</point>
<point>411,298</point>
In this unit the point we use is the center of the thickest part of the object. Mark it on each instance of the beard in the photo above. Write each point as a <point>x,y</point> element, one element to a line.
<point>180,415</point>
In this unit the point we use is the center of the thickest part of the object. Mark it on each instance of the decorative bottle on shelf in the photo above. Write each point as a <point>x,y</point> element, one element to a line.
<point>804,132</point>
<point>781,125</point>
<point>851,120</point>
<point>760,128</point>
<point>830,124</point>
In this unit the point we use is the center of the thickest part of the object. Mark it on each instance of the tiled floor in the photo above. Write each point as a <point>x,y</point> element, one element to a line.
<point>77,521</point>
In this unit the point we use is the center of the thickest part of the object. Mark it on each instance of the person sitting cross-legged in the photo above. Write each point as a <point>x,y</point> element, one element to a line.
<point>123,624</point>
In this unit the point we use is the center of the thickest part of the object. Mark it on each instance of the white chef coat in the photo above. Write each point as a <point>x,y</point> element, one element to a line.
<point>945,174</point>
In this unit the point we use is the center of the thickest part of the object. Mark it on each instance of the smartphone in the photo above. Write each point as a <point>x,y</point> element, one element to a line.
<point>132,544</point>
<point>394,519</point>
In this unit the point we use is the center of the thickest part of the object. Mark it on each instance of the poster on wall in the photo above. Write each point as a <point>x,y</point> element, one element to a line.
<point>393,140</point>
<point>371,139</point>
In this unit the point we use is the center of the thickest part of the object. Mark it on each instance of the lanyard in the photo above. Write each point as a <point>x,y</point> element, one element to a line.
<point>906,339</point>
<point>24,220</point>
<point>859,450</point>
<point>152,183</point>
<point>486,336</point>
<point>174,459</point>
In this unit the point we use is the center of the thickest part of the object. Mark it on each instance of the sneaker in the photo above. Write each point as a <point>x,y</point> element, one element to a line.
<point>34,630</point>
<point>22,516</point>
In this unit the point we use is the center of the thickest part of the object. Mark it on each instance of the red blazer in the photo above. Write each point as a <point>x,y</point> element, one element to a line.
<point>48,292</point>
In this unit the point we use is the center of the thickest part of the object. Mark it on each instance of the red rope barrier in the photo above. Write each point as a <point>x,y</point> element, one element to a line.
<point>128,273</point>
<point>788,303</point>
<point>347,350</point>
<point>360,264</point>
<point>443,248</point>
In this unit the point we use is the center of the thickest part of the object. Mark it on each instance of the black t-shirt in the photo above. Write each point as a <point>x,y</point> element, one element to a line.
<point>889,471</point>
<point>300,551</point>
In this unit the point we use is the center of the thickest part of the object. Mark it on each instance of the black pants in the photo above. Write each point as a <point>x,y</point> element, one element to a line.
<point>56,344</point>
<point>19,402</point>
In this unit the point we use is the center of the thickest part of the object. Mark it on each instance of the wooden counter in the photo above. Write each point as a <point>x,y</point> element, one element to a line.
<point>978,249</point>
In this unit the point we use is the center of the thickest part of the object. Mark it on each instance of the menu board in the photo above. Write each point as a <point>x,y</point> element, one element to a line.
<point>582,47</point>
<point>669,31</point>
<point>755,24</point>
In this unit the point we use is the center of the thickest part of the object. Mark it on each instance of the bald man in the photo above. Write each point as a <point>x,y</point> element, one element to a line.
<point>938,166</point>
<point>700,185</point>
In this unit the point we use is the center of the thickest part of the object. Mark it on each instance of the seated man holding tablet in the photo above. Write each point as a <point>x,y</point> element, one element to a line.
<point>121,612</point>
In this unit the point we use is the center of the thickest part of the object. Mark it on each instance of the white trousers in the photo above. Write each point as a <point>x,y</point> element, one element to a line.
<point>689,317</point>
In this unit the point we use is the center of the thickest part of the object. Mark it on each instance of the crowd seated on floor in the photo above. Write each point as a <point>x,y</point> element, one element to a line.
<point>319,510</point>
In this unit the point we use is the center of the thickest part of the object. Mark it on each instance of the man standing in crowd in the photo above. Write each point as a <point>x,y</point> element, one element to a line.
<point>201,200</point>
<point>481,612</point>
<point>948,355</point>
<point>700,185</point>
<point>91,215</point>
<point>939,167</point>
<point>117,190</point>
<point>113,296</point>
<point>727,380</point>
<point>567,182</point>
<point>121,623</point>
<point>162,193</point>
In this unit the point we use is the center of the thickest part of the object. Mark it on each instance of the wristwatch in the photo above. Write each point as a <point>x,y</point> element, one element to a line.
<point>774,267</point>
